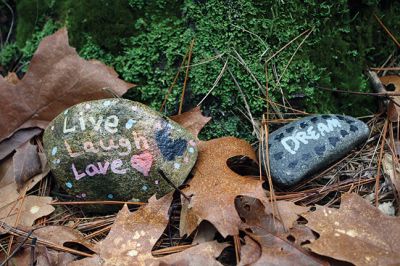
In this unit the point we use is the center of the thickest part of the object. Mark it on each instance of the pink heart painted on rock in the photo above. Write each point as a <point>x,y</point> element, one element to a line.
<point>142,162</point>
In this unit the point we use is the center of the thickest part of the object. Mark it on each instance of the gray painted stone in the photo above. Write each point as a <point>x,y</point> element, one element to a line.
<point>301,148</point>
<point>112,149</point>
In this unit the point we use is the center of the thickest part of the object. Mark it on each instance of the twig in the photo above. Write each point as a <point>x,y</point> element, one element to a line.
<point>286,45</point>
<point>12,21</point>
<point>172,184</point>
<point>105,202</point>
<point>186,78</point>
<point>17,248</point>
<point>173,82</point>
<point>33,248</point>
<point>377,178</point>
<point>221,73</point>
<point>387,31</point>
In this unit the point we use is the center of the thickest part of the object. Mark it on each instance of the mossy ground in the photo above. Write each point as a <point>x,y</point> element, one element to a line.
<point>145,42</point>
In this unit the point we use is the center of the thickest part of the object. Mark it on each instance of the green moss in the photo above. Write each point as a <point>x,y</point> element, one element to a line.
<point>145,42</point>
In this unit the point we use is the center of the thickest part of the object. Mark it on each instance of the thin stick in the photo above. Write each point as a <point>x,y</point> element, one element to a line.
<point>173,82</point>
<point>105,202</point>
<point>286,45</point>
<point>186,78</point>
<point>17,248</point>
<point>172,184</point>
<point>236,241</point>
<point>17,218</point>
<point>385,68</point>
<point>294,53</point>
<point>378,175</point>
<point>33,248</point>
<point>387,31</point>
<point>221,73</point>
<point>171,250</point>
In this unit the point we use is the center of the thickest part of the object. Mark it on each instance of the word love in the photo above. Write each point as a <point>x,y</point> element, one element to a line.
<point>100,168</point>
<point>123,146</point>
<point>141,162</point>
<point>292,143</point>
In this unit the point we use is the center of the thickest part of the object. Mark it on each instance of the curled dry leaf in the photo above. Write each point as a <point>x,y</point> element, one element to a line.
<point>192,120</point>
<point>56,79</point>
<point>26,163</point>
<point>133,236</point>
<point>357,232</point>
<point>266,216</point>
<point>393,110</point>
<point>60,235</point>
<point>388,165</point>
<point>271,234</point>
<point>33,207</point>
<point>20,137</point>
<point>215,186</point>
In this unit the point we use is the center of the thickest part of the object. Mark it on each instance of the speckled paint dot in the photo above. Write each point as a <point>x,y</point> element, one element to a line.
<point>83,195</point>
<point>80,113</point>
<point>144,188</point>
<point>54,151</point>
<point>68,185</point>
<point>156,182</point>
<point>130,123</point>
<point>110,196</point>
<point>34,209</point>
<point>192,143</point>
<point>134,108</point>
<point>177,165</point>
<point>87,106</point>
<point>191,150</point>
<point>186,159</point>
<point>57,161</point>
<point>66,112</point>
<point>107,103</point>
<point>52,127</point>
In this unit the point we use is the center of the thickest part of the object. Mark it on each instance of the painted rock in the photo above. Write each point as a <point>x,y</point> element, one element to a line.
<point>113,149</point>
<point>301,148</point>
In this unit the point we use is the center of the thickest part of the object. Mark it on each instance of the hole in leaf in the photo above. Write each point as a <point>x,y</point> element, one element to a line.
<point>305,242</point>
<point>291,238</point>
<point>390,87</point>
<point>243,165</point>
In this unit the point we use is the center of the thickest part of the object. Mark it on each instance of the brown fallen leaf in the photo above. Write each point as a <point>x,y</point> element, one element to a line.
<point>192,120</point>
<point>60,235</point>
<point>357,232</point>
<point>133,236</point>
<point>56,79</point>
<point>279,252</point>
<point>26,163</point>
<point>20,137</point>
<point>33,207</point>
<point>387,165</point>
<point>393,109</point>
<point>6,172</point>
<point>266,217</point>
<point>276,238</point>
<point>215,186</point>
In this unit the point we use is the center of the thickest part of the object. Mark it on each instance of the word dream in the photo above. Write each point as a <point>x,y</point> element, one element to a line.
<point>292,143</point>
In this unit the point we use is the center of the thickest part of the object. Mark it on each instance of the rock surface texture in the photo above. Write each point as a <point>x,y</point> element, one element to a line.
<point>301,148</point>
<point>112,149</point>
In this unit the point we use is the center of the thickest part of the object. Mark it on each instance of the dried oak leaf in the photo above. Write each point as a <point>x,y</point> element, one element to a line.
<point>270,231</point>
<point>20,137</point>
<point>393,109</point>
<point>56,79</point>
<point>387,165</point>
<point>26,163</point>
<point>192,120</point>
<point>60,235</point>
<point>133,235</point>
<point>215,186</point>
<point>357,232</point>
